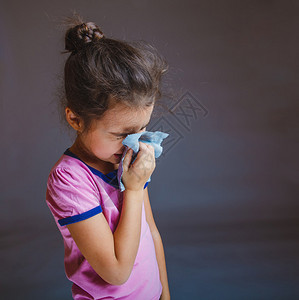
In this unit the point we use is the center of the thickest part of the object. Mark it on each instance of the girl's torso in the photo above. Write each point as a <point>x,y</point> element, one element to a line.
<point>75,191</point>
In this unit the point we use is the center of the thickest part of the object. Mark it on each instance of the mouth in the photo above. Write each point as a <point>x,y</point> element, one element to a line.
<point>118,156</point>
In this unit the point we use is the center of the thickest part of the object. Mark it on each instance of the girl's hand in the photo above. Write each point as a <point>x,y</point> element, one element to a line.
<point>136,175</point>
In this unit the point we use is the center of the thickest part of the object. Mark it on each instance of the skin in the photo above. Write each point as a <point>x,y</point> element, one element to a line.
<point>103,139</point>
<point>113,256</point>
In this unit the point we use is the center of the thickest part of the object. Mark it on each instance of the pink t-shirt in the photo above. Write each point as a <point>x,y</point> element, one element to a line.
<point>75,192</point>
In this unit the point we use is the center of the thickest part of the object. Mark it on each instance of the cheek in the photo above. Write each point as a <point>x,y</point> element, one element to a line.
<point>96,145</point>
<point>117,145</point>
<point>106,148</point>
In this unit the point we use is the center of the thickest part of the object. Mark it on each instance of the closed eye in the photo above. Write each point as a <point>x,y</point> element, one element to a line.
<point>123,134</point>
<point>121,137</point>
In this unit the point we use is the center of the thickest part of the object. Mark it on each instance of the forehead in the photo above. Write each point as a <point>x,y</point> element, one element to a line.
<point>121,117</point>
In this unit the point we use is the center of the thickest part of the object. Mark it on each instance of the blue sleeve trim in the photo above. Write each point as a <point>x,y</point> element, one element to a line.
<point>146,184</point>
<point>80,217</point>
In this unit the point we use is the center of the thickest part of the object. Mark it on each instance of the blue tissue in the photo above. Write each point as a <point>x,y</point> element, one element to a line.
<point>132,141</point>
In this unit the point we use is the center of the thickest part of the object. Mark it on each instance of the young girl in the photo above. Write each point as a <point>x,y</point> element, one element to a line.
<point>113,249</point>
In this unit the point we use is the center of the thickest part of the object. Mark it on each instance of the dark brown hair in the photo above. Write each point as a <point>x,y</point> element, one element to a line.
<point>100,69</point>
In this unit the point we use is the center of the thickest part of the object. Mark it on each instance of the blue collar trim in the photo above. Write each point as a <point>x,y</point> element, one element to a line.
<point>110,178</point>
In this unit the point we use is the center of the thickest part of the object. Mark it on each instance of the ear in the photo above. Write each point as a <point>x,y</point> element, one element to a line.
<point>74,120</point>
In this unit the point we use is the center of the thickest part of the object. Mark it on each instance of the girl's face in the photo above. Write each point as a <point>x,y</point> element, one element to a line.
<point>102,143</point>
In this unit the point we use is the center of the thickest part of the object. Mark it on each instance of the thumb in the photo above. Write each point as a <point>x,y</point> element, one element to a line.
<point>127,159</point>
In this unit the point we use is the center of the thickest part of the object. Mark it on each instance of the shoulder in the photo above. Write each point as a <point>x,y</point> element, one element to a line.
<point>68,162</point>
<point>71,188</point>
<point>69,177</point>
<point>69,170</point>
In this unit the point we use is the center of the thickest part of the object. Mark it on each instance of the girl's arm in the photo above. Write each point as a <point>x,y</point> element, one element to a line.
<point>158,247</point>
<point>111,255</point>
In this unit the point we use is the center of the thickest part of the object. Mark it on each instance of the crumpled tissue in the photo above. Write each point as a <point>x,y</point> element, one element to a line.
<point>132,141</point>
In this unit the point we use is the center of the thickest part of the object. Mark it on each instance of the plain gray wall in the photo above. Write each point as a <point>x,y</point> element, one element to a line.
<point>225,196</point>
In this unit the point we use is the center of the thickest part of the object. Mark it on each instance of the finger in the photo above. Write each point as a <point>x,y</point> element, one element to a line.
<point>149,150</point>
<point>145,155</point>
<point>150,147</point>
<point>127,159</point>
<point>142,146</point>
<point>146,147</point>
<point>141,152</point>
<point>150,156</point>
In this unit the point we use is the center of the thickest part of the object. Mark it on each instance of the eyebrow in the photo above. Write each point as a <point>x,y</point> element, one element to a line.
<point>129,130</point>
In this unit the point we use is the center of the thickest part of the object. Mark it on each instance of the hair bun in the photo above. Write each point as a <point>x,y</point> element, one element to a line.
<point>77,37</point>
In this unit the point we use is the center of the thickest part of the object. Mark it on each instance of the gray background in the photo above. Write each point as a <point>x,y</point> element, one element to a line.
<point>224,196</point>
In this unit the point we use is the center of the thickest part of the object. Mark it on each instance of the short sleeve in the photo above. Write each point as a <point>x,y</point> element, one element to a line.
<point>72,195</point>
